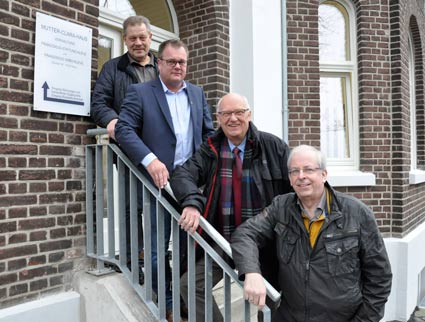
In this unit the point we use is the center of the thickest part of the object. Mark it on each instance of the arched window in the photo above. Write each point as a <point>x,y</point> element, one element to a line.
<point>416,106</point>
<point>113,13</point>
<point>338,85</point>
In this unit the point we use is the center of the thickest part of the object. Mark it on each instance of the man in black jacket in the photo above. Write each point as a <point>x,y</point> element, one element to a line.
<point>333,265</point>
<point>137,65</point>
<point>264,175</point>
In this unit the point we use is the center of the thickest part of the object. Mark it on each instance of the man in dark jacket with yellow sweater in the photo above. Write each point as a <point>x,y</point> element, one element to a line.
<point>257,167</point>
<point>333,265</point>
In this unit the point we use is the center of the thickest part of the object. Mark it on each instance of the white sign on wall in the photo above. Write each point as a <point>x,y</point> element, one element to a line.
<point>62,66</point>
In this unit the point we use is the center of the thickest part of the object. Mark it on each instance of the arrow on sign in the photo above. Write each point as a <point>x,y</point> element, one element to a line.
<point>46,98</point>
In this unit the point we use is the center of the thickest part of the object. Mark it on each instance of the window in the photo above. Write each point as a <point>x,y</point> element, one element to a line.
<point>337,71</point>
<point>417,173</point>
<point>339,137</point>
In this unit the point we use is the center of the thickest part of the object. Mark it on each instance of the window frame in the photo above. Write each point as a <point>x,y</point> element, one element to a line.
<point>346,172</point>
<point>416,175</point>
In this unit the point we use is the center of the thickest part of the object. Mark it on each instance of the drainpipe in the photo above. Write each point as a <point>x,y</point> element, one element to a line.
<point>284,45</point>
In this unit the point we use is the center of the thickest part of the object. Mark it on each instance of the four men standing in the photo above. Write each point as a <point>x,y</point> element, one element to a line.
<point>327,244</point>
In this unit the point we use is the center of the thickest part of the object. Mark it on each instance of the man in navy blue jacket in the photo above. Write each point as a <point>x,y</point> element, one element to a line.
<point>161,124</point>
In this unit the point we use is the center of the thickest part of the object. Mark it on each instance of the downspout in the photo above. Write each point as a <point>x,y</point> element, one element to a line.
<point>284,45</point>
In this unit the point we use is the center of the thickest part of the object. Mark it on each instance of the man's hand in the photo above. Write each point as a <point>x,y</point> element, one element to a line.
<point>159,173</point>
<point>111,128</point>
<point>255,289</point>
<point>189,219</point>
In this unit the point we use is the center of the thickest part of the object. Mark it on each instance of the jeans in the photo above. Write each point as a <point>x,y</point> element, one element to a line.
<point>154,245</point>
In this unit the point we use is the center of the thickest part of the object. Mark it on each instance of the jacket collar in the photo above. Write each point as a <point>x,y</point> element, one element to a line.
<point>124,61</point>
<point>252,135</point>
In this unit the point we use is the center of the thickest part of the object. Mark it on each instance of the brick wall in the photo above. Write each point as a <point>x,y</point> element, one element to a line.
<point>204,27</point>
<point>384,131</point>
<point>409,202</point>
<point>42,170</point>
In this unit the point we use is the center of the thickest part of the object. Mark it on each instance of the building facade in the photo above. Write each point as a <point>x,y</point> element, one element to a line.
<point>343,75</point>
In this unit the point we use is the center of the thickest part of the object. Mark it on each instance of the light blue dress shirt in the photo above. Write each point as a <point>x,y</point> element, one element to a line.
<point>178,104</point>
<point>241,148</point>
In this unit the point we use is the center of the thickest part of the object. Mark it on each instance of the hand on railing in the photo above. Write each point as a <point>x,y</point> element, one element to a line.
<point>255,289</point>
<point>97,131</point>
<point>225,246</point>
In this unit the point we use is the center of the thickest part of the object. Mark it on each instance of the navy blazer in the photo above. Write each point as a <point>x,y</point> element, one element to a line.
<point>145,125</point>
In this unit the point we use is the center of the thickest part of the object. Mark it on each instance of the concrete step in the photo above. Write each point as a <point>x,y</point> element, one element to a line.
<point>109,298</point>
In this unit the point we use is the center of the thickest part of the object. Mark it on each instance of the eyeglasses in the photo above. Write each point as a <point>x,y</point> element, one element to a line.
<point>228,114</point>
<point>173,63</point>
<point>307,171</point>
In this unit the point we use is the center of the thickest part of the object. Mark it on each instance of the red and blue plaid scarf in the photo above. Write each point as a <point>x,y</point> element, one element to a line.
<point>251,202</point>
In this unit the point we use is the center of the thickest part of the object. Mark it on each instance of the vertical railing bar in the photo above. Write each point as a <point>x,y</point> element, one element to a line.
<point>89,200</point>
<point>160,258</point>
<point>191,273</point>
<point>110,204</point>
<point>134,230</point>
<point>176,266</point>
<point>121,168</point>
<point>227,299</point>
<point>99,208</point>
<point>267,314</point>
<point>147,242</point>
<point>247,311</point>
<point>208,288</point>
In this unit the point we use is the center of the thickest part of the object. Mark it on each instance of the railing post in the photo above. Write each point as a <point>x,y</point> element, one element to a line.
<point>175,229</point>
<point>110,204</point>
<point>99,208</point>
<point>122,212</point>
<point>89,200</point>
<point>160,258</point>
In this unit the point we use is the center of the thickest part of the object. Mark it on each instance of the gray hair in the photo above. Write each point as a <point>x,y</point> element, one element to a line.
<point>243,99</point>
<point>318,155</point>
<point>136,21</point>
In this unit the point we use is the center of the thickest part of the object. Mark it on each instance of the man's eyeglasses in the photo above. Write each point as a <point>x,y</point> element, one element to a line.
<point>172,62</point>
<point>238,113</point>
<point>307,171</point>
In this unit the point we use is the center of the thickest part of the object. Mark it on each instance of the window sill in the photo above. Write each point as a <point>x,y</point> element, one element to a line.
<point>416,176</point>
<point>351,179</point>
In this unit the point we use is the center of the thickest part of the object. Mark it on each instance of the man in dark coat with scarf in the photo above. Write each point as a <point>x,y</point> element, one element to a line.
<point>240,170</point>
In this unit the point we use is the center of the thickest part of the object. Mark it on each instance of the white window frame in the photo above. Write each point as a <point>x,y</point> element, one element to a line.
<point>346,172</point>
<point>415,175</point>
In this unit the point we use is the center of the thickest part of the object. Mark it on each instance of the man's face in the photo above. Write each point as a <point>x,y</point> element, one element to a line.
<point>172,66</point>
<point>234,118</point>
<point>138,41</point>
<point>307,179</point>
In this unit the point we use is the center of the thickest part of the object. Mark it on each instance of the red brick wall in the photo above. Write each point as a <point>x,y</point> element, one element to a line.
<point>42,167</point>
<point>384,121</point>
<point>204,27</point>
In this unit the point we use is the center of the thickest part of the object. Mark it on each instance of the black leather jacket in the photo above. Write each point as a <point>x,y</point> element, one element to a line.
<point>345,277</point>
<point>269,171</point>
<point>110,89</point>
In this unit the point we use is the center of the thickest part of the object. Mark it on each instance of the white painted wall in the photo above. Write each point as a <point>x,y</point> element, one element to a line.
<point>256,61</point>
<point>64,307</point>
<point>407,256</point>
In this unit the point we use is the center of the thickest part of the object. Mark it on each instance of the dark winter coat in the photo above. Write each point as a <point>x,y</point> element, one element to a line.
<point>345,277</point>
<point>110,89</point>
<point>269,171</point>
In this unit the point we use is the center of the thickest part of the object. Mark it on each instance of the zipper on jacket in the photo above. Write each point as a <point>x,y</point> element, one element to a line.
<point>343,234</point>
<point>307,278</point>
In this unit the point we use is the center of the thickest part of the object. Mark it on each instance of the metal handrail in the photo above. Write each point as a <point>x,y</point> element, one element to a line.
<point>150,188</point>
